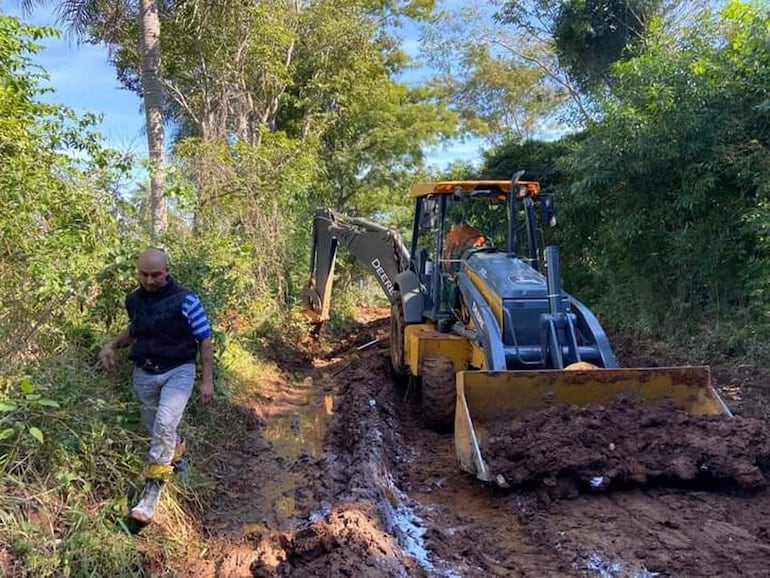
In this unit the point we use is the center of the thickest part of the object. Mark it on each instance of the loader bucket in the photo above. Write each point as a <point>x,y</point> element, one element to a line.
<point>485,397</point>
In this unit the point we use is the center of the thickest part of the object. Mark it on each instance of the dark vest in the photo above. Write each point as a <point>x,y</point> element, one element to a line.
<point>164,338</point>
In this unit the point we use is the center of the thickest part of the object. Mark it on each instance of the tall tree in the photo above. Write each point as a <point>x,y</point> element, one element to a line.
<point>504,83</point>
<point>95,20</point>
<point>274,99</point>
<point>152,90</point>
<point>320,73</point>
<point>588,36</point>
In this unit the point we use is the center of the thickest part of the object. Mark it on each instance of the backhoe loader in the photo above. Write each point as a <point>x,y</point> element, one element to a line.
<point>486,328</point>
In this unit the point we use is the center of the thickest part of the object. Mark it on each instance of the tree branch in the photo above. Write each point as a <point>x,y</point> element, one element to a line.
<point>573,92</point>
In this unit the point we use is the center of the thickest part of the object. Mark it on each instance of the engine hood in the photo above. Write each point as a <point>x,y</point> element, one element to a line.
<point>508,277</point>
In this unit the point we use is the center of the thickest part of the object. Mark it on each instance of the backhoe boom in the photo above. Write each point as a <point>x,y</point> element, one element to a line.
<point>379,248</point>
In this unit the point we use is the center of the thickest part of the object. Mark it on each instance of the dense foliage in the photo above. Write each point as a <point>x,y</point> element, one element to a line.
<point>56,189</point>
<point>663,201</point>
<point>58,228</point>
<point>588,35</point>
<point>662,189</point>
<point>671,188</point>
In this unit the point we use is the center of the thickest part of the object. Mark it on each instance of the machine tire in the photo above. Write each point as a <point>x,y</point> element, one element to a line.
<point>398,368</point>
<point>439,392</point>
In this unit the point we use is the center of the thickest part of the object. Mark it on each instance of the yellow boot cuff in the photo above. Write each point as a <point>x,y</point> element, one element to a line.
<point>161,472</point>
<point>180,450</point>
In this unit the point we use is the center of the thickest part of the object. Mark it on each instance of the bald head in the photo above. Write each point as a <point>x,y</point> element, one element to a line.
<point>153,257</point>
<point>152,269</point>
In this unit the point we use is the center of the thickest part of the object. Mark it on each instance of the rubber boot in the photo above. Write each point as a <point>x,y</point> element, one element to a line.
<point>143,512</point>
<point>181,468</point>
<point>179,462</point>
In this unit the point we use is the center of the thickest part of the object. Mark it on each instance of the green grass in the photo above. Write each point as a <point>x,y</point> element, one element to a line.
<point>70,461</point>
<point>71,449</point>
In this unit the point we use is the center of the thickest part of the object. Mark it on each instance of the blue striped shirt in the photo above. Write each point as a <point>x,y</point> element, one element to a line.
<point>196,317</point>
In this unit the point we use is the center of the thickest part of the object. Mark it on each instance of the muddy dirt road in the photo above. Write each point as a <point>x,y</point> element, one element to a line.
<point>338,477</point>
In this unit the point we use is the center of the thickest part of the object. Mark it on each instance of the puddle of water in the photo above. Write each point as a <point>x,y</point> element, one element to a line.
<point>302,431</point>
<point>279,494</point>
<point>321,513</point>
<point>405,525</point>
<point>410,535</point>
<point>297,432</point>
<point>613,568</point>
<point>270,505</point>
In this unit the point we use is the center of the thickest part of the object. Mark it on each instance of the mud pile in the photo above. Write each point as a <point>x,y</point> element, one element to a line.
<point>569,450</point>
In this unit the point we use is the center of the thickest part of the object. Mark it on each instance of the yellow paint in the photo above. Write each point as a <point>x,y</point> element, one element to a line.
<point>446,187</point>
<point>515,393</point>
<point>578,365</point>
<point>494,301</point>
<point>423,339</point>
<point>478,358</point>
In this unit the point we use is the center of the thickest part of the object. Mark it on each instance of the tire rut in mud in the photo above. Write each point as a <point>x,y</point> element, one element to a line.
<point>366,528</point>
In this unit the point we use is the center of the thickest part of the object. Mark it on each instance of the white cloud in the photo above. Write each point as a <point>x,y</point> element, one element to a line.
<point>411,46</point>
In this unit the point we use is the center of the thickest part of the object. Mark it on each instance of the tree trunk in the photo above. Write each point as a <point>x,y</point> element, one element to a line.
<point>149,30</point>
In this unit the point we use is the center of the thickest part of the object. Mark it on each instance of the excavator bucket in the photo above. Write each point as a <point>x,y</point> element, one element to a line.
<point>486,397</point>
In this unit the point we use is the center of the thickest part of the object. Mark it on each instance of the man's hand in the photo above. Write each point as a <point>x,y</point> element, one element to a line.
<point>207,390</point>
<point>207,370</point>
<point>107,356</point>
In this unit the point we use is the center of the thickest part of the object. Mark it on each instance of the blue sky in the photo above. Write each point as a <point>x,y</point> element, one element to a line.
<point>83,80</point>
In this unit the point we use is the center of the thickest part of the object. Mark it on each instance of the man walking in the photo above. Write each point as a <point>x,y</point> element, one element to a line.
<point>167,327</point>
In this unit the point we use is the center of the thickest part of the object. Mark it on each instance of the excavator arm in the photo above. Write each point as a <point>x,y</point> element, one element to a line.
<point>381,249</point>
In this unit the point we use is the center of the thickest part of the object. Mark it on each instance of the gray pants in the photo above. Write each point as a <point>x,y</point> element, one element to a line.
<point>163,398</point>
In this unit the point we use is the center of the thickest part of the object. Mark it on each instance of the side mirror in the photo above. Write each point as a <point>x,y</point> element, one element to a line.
<point>548,204</point>
<point>428,213</point>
